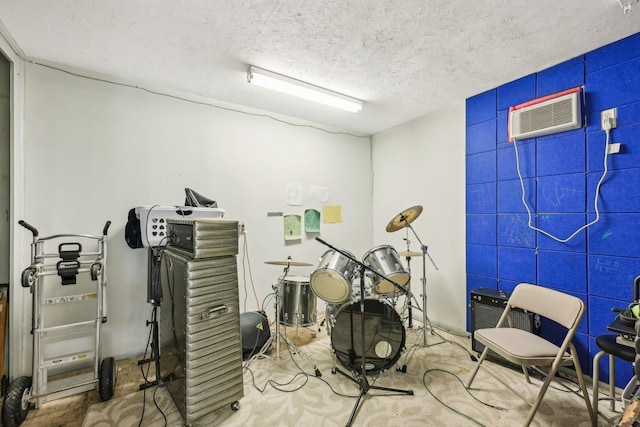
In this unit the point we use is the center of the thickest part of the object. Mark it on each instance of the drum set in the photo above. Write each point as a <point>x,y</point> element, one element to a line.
<point>367,332</point>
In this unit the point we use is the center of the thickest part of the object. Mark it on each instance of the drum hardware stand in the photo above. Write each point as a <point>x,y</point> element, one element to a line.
<point>361,380</point>
<point>409,282</point>
<point>277,335</point>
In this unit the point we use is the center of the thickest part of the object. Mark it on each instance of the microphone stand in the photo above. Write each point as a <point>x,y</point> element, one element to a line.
<point>362,381</point>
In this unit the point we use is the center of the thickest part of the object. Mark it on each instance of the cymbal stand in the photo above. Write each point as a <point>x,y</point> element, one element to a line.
<point>408,299</point>
<point>361,379</point>
<point>279,335</point>
<point>426,323</point>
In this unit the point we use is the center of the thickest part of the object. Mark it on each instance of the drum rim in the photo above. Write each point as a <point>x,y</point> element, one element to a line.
<point>286,278</point>
<point>336,252</point>
<point>378,247</point>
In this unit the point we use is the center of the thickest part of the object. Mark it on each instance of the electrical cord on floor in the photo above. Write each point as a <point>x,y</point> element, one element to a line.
<point>155,402</point>
<point>276,385</point>
<point>424,382</point>
<point>565,388</point>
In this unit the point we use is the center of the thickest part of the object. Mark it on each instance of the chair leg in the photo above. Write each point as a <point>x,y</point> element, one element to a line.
<point>541,392</point>
<point>612,381</point>
<point>596,380</point>
<point>477,368</point>
<point>583,386</point>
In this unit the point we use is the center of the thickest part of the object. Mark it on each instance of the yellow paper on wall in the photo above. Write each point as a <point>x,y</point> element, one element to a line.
<point>331,214</point>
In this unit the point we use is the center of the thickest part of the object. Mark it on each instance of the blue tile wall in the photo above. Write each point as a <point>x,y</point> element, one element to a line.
<point>481,167</point>
<point>561,172</point>
<point>561,193</point>
<point>613,277</point>
<point>612,86</point>
<point>502,134</point>
<point>481,137</point>
<point>482,260</point>
<point>482,107</point>
<point>507,168</point>
<point>563,76</point>
<point>562,227</point>
<point>518,264</point>
<point>562,154</point>
<point>615,234</point>
<point>613,53</point>
<point>566,271</point>
<point>514,230</point>
<point>510,195</point>
<point>517,92</point>
<point>481,228</point>
<point>629,157</point>
<point>481,198</point>
<point>618,192</point>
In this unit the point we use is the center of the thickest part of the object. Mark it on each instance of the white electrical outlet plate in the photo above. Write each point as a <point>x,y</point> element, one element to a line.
<point>613,148</point>
<point>609,118</point>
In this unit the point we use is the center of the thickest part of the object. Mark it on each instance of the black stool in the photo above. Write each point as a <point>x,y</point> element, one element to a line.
<point>609,345</point>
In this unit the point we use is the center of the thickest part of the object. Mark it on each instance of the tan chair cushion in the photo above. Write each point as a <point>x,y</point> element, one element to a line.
<point>524,347</point>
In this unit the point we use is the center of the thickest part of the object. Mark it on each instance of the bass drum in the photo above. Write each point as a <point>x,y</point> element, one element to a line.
<point>384,336</point>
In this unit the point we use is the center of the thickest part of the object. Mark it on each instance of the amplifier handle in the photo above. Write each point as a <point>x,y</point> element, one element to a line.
<point>215,311</point>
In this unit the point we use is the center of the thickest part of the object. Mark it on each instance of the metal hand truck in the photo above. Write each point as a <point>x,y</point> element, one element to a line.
<point>59,347</point>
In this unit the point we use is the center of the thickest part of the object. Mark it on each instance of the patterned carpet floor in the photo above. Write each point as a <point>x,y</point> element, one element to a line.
<point>286,392</point>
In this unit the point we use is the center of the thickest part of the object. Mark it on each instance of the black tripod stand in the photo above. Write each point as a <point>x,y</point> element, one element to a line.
<point>361,379</point>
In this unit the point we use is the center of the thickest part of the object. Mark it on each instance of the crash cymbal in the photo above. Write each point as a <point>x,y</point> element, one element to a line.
<point>409,253</point>
<point>289,262</point>
<point>404,218</point>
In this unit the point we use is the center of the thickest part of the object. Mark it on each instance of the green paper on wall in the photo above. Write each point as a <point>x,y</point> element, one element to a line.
<point>292,227</point>
<point>312,221</point>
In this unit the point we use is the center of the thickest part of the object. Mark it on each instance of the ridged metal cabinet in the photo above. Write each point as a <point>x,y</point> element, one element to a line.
<point>201,355</point>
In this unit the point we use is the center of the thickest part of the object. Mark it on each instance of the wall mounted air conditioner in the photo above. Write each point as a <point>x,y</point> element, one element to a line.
<point>543,116</point>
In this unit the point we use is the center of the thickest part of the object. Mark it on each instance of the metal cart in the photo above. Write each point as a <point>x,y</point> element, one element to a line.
<point>61,348</point>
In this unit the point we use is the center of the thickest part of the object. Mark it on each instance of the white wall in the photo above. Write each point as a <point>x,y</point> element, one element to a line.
<point>93,150</point>
<point>5,166</point>
<point>423,163</point>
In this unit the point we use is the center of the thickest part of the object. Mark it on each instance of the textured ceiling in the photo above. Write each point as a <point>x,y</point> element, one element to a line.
<point>403,58</point>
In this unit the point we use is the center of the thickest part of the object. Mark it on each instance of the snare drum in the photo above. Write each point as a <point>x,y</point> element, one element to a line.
<point>385,261</point>
<point>331,281</point>
<point>298,307</point>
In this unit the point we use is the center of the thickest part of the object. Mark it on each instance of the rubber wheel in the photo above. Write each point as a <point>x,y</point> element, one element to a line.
<point>107,378</point>
<point>16,402</point>
<point>235,406</point>
<point>5,385</point>
<point>29,277</point>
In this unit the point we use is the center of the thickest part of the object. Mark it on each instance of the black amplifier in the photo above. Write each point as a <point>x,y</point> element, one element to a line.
<point>487,305</point>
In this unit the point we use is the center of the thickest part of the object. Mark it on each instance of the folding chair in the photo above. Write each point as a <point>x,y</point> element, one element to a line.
<point>526,349</point>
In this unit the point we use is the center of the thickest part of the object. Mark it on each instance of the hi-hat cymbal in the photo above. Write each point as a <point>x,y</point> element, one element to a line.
<point>404,218</point>
<point>289,262</point>
<point>409,253</point>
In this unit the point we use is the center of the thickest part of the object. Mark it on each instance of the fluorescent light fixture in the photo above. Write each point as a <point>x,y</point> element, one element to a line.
<point>280,83</point>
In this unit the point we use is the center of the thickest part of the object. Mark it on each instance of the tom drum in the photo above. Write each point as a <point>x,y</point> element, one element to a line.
<point>331,281</point>
<point>385,261</point>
